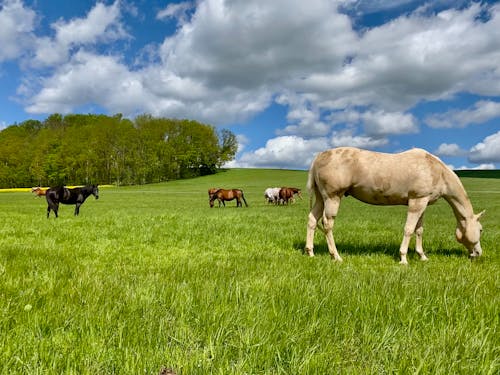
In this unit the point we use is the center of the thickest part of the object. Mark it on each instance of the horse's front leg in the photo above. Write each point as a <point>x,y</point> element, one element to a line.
<point>416,208</point>
<point>77,209</point>
<point>419,230</point>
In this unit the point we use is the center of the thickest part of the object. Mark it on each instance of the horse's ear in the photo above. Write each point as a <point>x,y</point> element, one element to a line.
<point>479,215</point>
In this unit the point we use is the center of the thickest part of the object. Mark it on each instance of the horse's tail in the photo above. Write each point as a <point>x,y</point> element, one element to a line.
<point>311,185</point>
<point>243,197</point>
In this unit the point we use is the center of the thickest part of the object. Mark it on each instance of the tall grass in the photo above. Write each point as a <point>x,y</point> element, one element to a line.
<point>150,277</point>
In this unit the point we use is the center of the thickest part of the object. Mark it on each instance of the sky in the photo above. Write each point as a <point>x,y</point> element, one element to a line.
<point>290,78</point>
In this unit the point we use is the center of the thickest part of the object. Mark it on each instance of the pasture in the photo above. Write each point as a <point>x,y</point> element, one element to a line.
<point>149,277</point>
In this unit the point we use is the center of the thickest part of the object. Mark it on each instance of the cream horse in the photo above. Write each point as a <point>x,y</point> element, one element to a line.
<point>414,178</point>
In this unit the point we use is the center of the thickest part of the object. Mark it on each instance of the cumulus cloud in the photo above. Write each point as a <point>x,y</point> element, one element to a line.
<point>228,61</point>
<point>346,138</point>
<point>101,25</point>
<point>486,151</point>
<point>477,167</point>
<point>284,152</point>
<point>450,149</point>
<point>482,111</point>
<point>16,26</point>
<point>381,123</point>
<point>177,11</point>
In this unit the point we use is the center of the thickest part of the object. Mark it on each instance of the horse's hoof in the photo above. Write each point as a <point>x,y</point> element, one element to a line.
<point>403,263</point>
<point>424,259</point>
<point>309,252</point>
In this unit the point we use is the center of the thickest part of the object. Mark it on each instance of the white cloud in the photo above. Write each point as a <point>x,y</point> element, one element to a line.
<point>284,152</point>
<point>450,149</point>
<point>94,79</point>
<point>178,11</point>
<point>478,167</point>
<point>381,123</point>
<point>487,151</point>
<point>228,60</point>
<point>16,26</point>
<point>483,111</point>
<point>101,25</point>
<point>346,138</point>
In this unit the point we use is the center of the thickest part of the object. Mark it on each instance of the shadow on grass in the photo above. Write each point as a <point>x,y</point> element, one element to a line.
<point>390,249</point>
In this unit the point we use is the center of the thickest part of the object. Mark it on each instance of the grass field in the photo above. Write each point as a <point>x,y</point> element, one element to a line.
<point>150,277</point>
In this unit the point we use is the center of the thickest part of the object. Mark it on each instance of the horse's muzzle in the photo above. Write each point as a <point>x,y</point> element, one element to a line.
<point>476,251</point>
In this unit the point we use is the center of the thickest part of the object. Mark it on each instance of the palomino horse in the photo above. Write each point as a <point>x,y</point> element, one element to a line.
<point>286,194</point>
<point>414,178</point>
<point>76,196</point>
<point>38,191</point>
<point>228,195</point>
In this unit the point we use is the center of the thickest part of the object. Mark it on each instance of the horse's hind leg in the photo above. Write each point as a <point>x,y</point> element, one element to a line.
<point>314,217</point>
<point>329,214</point>
<point>52,206</point>
<point>419,230</point>
<point>77,209</point>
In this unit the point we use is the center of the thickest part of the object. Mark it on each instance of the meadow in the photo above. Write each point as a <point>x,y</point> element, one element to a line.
<point>149,277</point>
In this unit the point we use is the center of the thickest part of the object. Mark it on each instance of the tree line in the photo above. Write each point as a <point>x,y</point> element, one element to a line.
<point>82,149</point>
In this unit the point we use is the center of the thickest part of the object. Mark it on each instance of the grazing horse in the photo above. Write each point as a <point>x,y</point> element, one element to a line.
<point>286,194</point>
<point>212,191</point>
<point>76,196</point>
<point>272,195</point>
<point>38,191</point>
<point>228,195</point>
<point>414,178</point>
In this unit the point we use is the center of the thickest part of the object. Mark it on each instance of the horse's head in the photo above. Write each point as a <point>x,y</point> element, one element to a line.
<point>468,233</point>
<point>211,200</point>
<point>95,191</point>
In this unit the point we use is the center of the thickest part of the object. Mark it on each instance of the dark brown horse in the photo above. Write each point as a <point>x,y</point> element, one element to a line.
<point>76,196</point>
<point>228,195</point>
<point>287,193</point>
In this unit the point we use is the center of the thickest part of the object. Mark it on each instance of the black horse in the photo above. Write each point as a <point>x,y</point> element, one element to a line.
<point>76,196</point>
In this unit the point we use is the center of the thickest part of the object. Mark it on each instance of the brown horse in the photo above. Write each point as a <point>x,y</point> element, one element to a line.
<point>212,191</point>
<point>287,193</point>
<point>228,195</point>
<point>38,191</point>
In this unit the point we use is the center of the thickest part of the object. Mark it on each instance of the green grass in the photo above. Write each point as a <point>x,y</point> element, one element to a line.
<point>150,277</point>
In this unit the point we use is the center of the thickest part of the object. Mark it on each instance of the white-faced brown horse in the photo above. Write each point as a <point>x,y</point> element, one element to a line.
<point>76,196</point>
<point>38,191</point>
<point>228,195</point>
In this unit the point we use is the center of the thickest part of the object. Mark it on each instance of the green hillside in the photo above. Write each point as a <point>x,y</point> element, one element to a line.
<point>149,277</point>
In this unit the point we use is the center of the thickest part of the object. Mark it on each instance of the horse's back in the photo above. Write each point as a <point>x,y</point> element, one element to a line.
<point>375,177</point>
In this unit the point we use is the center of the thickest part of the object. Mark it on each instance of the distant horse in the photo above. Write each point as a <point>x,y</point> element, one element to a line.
<point>272,195</point>
<point>212,191</point>
<point>414,178</point>
<point>228,195</point>
<point>38,191</point>
<point>76,196</point>
<point>286,194</point>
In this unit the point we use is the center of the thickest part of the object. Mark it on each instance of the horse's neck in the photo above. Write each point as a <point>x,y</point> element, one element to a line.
<point>457,197</point>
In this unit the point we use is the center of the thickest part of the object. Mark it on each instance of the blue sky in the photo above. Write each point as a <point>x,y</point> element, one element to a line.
<point>290,78</point>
